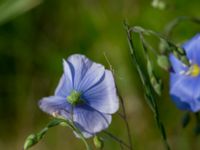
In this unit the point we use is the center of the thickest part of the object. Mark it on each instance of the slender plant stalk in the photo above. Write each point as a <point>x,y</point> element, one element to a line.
<point>148,89</point>
<point>121,142</point>
<point>123,115</point>
<point>126,121</point>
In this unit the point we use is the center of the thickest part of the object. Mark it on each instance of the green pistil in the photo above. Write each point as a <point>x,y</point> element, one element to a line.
<point>74,98</point>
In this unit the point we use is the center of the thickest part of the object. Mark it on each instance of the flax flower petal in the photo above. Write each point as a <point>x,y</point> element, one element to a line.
<point>103,97</point>
<point>90,119</point>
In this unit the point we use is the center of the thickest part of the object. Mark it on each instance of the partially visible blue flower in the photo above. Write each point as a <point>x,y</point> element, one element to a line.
<point>87,91</point>
<point>185,81</point>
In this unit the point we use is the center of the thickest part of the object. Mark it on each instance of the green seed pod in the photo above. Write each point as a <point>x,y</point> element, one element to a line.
<point>98,142</point>
<point>181,51</point>
<point>156,84</point>
<point>164,47</point>
<point>176,54</point>
<point>158,87</point>
<point>163,62</point>
<point>149,68</point>
<point>153,80</point>
<point>185,60</point>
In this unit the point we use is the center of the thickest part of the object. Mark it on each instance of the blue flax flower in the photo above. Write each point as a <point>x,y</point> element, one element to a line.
<point>184,80</point>
<point>86,93</point>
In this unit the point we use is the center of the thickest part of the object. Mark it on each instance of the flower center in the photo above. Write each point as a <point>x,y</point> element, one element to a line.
<point>74,98</point>
<point>194,70</point>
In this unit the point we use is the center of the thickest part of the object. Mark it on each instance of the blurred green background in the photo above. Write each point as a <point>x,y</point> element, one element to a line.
<point>36,35</point>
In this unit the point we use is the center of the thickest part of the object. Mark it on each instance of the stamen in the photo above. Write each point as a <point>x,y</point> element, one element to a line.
<point>55,114</point>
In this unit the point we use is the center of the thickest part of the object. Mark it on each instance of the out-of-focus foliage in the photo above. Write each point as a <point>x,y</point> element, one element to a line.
<point>13,8</point>
<point>33,44</point>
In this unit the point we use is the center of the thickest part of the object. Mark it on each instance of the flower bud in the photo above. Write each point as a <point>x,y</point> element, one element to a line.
<point>30,141</point>
<point>157,85</point>
<point>98,142</point>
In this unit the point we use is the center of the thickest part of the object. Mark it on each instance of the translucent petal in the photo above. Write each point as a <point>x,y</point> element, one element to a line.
<point>65,85</point>
<point>92,77</point>
<point>91,120</point>
<point>192,48</point>
<point>84,133</point>
<point>55,105</point>
<point>103,96</point>
<point>85,73</point>
<point>185,91</point>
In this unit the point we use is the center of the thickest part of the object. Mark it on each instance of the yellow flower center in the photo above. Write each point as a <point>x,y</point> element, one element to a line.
<point>194,70</point>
